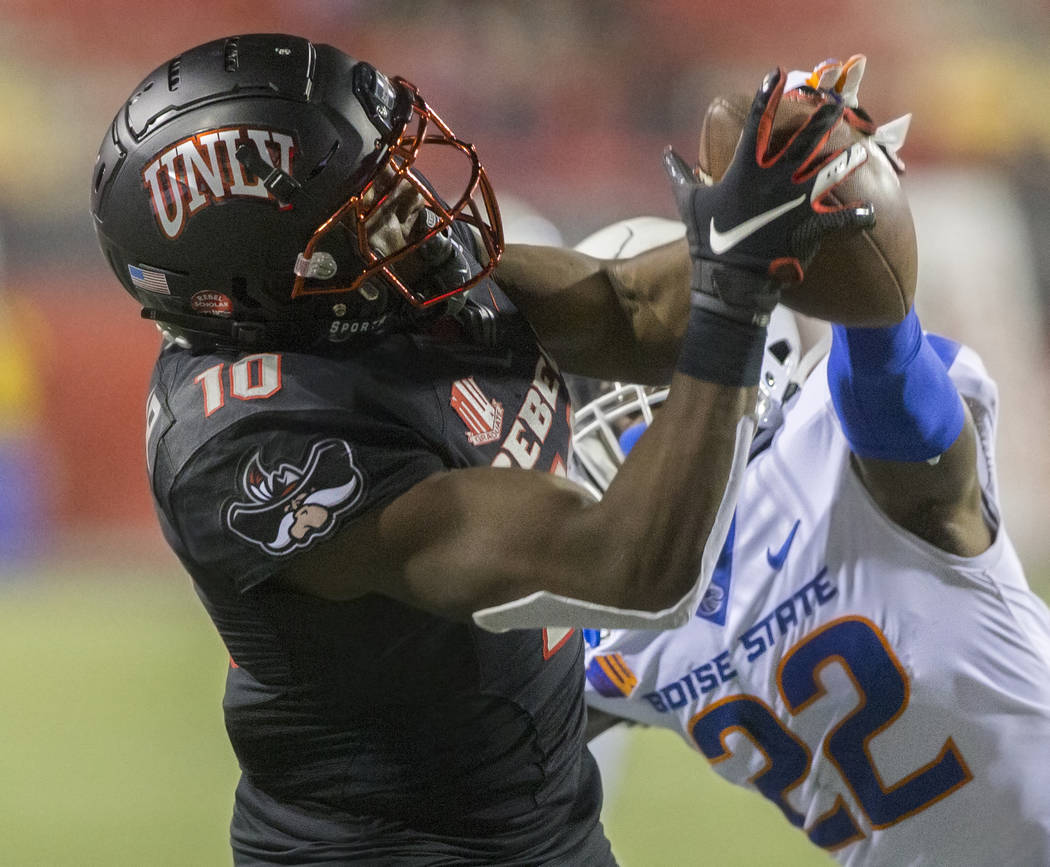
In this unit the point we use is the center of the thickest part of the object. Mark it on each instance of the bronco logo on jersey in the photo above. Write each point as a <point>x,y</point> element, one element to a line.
<point>715,602</point>
<point>610,676</point>
<point>291,507</point>
<point>204,169</point>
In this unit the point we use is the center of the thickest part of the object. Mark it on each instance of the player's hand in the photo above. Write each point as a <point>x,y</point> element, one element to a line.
<point>760,226</point>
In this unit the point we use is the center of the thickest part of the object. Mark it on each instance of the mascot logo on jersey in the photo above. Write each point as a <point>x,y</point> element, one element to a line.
<point>291,507</point>
<point>203,170</point>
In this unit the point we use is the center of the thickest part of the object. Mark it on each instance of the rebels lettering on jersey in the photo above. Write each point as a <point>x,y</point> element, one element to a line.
<point>524,442</point>
<point>203,169</point>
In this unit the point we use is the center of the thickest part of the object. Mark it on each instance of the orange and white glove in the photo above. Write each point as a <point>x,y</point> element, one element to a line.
<point>832,77</point>
<point>840,81</point>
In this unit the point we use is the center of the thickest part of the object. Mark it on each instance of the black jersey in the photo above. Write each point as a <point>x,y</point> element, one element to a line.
<point>371,730</point>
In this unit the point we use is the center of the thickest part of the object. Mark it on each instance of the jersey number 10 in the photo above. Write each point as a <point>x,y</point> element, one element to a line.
<point>253,377</point>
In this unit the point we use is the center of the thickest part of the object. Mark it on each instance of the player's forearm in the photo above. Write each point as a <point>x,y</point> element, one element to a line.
<point>637,557</point>
<point>913,440</point>
<point>660,508</point>
<point>653,290</point>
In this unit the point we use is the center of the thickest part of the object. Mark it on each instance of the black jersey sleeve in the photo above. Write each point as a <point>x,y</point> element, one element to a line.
<point>261,493</point>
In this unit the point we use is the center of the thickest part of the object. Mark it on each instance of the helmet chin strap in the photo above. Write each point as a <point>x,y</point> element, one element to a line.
<point>446,264</point>
<point>482,324</point>
<point>205,332</point>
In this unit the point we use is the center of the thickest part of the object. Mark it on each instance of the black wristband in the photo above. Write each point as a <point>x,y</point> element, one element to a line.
<point>734,292</point>
<point>721,350</point>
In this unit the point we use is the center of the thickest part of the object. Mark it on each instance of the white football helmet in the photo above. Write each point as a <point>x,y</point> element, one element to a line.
<point>611,415</point>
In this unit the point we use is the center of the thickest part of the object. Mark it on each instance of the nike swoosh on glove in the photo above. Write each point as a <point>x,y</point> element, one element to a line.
<point>768,214</point>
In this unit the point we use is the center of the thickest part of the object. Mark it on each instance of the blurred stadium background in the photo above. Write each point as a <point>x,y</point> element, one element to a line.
<point>112,750</point>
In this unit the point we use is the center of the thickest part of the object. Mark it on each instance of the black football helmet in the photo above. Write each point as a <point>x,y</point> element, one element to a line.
<point>244,195</point>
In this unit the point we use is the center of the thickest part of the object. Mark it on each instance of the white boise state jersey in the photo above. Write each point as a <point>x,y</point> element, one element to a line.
<point>892,699</point>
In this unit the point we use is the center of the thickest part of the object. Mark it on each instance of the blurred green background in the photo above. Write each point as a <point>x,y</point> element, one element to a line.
<point>112,750</point>
<point>114,753</point>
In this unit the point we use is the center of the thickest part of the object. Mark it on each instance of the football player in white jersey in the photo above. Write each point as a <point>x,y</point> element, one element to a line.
<point>869,655</point>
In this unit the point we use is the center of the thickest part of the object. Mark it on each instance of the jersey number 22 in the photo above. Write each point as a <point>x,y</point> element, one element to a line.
<point>861,649</point>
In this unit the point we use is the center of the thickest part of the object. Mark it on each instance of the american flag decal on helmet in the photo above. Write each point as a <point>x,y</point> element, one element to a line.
<point>149,279</point>
<point>609,675</point>
<point>483,417</point>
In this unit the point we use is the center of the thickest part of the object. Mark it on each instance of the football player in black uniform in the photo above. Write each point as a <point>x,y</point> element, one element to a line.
<point>341,420</point>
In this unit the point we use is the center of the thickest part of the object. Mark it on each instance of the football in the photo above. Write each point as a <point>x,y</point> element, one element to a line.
<point>859,277</point>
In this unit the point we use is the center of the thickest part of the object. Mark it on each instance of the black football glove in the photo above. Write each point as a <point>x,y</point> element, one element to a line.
<point>758,228</point>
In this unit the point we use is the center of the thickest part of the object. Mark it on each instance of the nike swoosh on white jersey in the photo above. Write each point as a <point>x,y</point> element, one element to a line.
<point>777,560</point>
<point>722,241</point>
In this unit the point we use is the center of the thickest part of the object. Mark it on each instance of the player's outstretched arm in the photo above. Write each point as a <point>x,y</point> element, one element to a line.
<point>913,441</point>
<point>519,549</point>
<point>484,537</point>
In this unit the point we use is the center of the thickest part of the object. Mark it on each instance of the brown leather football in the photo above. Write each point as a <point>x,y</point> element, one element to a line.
<point>862,277</point>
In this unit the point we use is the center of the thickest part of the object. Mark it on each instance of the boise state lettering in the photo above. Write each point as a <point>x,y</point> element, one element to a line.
<point>756,640</point>
<point>292,506</point>
<point>699,681</point>
<point>173,177</point>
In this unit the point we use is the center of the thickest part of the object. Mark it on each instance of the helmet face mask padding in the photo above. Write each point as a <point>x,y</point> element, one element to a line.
<point>235,162</point>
